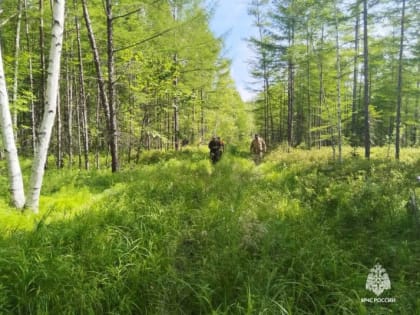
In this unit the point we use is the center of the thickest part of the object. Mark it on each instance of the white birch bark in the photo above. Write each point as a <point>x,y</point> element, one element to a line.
<point>49,108</point>
<point>15,174</point>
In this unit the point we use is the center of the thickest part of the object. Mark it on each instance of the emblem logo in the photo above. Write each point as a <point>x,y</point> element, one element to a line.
<point>378,280</point>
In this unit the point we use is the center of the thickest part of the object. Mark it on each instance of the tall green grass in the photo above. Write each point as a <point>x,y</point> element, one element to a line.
<point>177,235</point>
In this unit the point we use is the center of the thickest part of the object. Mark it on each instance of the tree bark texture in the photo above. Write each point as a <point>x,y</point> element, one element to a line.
<point>50,107</point>
<point>15,174</point>
<point>399,86</point>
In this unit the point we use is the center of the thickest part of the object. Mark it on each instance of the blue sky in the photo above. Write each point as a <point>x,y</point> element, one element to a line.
<point>232,21</point>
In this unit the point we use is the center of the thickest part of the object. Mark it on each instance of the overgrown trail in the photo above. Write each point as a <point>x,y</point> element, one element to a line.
<point>177,235</point>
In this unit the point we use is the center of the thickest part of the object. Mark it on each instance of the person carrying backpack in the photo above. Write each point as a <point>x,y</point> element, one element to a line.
<point>215,149</point>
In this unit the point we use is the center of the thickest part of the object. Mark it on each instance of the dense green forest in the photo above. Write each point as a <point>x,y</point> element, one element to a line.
<point>337,72</point>
<point>109,203</point>
<point>169,80</point>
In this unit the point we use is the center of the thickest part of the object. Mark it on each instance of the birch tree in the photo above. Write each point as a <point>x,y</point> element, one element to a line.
<point>41,94</point>
<point>50,106</point>
<point>15,174</point>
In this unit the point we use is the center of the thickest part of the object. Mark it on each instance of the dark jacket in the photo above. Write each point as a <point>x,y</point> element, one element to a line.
<point>214,145</point>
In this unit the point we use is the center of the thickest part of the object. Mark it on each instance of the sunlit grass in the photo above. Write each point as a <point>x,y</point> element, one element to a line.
<point>292,155</point>
<point>178,235</point>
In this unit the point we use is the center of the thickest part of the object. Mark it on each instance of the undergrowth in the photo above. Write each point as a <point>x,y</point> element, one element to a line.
<point>174,234</point>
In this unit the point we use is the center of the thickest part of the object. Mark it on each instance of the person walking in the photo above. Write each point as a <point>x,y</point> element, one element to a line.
<point>215,149</point>
<point>258,148</point>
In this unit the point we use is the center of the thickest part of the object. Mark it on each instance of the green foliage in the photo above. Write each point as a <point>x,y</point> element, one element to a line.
<point>161,60</point>
<point>177,235</point>
<point>303,34</point>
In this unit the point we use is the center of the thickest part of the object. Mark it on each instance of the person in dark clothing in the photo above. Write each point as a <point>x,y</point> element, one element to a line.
<point>215,149</point>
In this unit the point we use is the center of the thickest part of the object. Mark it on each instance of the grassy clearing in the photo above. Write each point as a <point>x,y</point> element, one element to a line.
<point>176,235</point>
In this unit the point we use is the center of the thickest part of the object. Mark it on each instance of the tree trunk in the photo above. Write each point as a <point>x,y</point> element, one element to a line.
<point>290,91</point>
<point>308,88</point>
<point>16,64</point>
<point>175,106</point>
<point>83,108</point>
<point>175,103</point>
<point>59,157</point>
<point>42,62</point>
<point>15,174</point>
<point>50,106</point>
<point>97,62</point>
<point>417,112</point>
<point>354,109</point>
<point>366,80</point>
<point>168,124</point>
<point>113,131</point>
<point>79,133</point>
<point>31,80</point>
<point>106,103</point>
<point>130,123</point>
<point>338,76</point>
<point>399,86</point>
<point>322,99</point>
<point>98,134</point>
<point>69,94</point>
